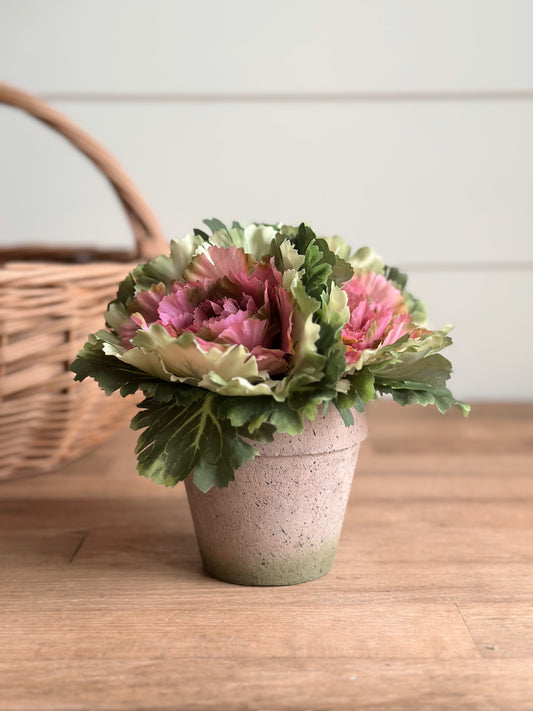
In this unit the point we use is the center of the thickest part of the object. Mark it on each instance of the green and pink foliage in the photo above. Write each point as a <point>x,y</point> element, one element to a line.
<point>248,331</point>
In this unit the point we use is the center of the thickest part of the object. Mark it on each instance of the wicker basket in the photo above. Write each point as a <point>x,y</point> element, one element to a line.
<point>49,301</point>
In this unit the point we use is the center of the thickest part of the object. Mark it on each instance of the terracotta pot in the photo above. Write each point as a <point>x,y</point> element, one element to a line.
<point>279,522</point>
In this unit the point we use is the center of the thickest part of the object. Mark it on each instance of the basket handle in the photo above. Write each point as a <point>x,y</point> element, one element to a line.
<point>148,236</point>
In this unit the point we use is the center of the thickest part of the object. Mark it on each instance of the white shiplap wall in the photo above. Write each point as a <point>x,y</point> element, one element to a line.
<point>403,124</point>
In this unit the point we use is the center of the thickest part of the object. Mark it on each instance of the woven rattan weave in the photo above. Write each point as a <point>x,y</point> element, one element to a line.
<point>49,301</point>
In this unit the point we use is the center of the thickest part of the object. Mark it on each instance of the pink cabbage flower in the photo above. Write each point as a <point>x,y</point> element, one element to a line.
<point>224,298</point>
<point>378,315</point>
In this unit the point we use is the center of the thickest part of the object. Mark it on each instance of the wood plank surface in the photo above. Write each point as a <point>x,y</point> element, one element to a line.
<point>104,604</point>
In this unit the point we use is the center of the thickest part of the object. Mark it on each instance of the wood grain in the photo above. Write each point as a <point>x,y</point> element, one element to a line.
<point>242,684</point>
<point>104,604</point>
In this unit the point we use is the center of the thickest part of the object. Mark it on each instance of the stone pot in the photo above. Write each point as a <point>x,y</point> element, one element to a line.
<point>279,522</point>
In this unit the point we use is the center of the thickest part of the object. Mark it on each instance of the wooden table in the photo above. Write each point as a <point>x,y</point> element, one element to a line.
<point>104,604</point>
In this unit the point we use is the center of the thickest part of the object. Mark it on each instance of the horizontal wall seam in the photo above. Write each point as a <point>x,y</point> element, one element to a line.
<point>468,266</point>
<point>274,97</point>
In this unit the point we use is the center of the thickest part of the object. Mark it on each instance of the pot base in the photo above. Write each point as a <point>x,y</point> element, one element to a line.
<point>270,570</point>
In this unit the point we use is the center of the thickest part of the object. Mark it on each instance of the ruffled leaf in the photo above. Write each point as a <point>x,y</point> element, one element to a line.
<point>433,370</point>
<point>181,439</point>
<point>112,374</point>
<point>321,267</point>
<point>246,412</point>
<point>412,393</point>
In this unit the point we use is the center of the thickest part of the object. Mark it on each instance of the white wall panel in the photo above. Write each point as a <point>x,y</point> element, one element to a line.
<point>293,46</point>
<point>492,345</point>
<point>431,183</point>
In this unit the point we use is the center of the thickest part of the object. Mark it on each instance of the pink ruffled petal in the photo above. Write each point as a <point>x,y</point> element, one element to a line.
<point>375,288</point>
<point>378,314</point>
<point>129,328</point>
<point>399,328</point>
<point>147,302</point>
<point>217,262</point>
<point>243,330</point>
<point>285,306</point>
<point>271,360</point>
<point>176,310</point>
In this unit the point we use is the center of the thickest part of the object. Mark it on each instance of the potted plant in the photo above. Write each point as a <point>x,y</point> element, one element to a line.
<point>256,349</point>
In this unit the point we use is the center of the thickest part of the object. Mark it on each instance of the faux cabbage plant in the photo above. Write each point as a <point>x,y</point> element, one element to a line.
<point>246,331</point>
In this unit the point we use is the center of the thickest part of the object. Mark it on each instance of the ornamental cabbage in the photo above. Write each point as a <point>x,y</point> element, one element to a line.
<point>246,331</point>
